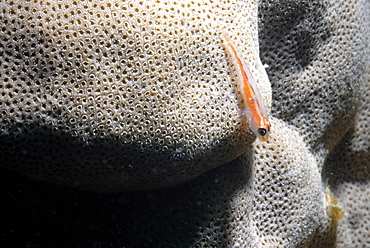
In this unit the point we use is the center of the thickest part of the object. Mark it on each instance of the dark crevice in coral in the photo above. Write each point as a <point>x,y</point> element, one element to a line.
<point>39,214</point>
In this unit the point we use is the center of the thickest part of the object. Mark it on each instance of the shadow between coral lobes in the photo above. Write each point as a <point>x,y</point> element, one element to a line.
<point>39,214</point>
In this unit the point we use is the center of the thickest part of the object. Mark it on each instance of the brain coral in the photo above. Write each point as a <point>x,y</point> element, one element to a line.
<point>86,102</point>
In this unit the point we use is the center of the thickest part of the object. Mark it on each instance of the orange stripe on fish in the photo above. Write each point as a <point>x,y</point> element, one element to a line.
<point>255,110</point>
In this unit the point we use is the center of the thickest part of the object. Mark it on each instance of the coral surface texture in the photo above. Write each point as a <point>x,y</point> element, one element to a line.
<point>122,125</point>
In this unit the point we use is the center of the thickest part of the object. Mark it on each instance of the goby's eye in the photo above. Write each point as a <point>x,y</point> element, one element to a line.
<point>262,131</point>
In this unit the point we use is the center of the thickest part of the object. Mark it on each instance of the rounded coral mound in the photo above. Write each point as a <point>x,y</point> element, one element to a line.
<point>116,96</point>
<point>141,95</point>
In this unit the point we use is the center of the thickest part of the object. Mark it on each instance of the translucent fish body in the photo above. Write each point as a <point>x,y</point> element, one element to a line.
<point>254,107</point>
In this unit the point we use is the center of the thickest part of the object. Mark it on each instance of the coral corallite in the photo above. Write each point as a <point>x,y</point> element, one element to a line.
<point>122,96</point>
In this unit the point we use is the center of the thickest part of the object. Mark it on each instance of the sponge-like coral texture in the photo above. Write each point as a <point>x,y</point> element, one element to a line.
<point>274,195</point>
<point>121,95</point>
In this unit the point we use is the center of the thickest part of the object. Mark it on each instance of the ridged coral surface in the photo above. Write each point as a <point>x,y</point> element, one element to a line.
<point>141,95</point>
